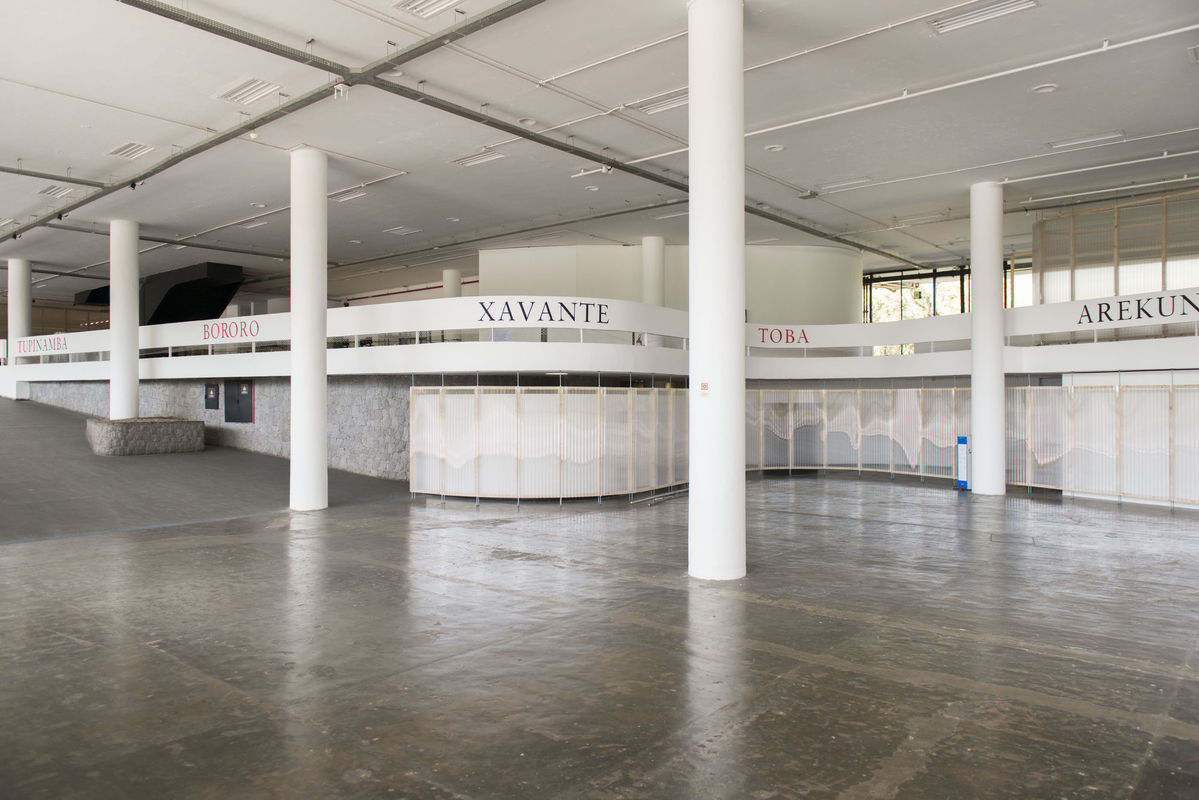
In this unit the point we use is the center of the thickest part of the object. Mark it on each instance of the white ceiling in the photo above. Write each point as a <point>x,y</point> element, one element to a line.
<point>852,90</point>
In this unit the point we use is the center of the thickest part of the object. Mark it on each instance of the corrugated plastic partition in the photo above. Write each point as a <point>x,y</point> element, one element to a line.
<point>1136,442</point>
<point>546,442</point>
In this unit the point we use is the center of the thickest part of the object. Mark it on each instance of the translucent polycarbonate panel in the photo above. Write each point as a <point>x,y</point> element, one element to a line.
<point>682,424</point>
<point>1182,243</point>
<point>1051,259</point>
<point>938,437</point>
<point>1016,435</point>
<point>460,438</point>
<point>644,439</point>
<point>876,429</point>
<point>905,444</point>
<point>1139,253</point>
<point>582,424</point>
<point>663,452</point>
<point>807,432</point>
<point>498,464</point>
<point>776,429</point>
<point>1186,444</point>
<point>961,412</point>
<point>540,416</point>
<point>425,440</point>
<point>1048,435</point>
<point>753,429</point>
<point>1145,442</point>
<point>618,441</point>
<point>844,435</point>
<point>1093,440</point>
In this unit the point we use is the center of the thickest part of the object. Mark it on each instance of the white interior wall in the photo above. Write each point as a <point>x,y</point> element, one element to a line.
<point>807,285</point>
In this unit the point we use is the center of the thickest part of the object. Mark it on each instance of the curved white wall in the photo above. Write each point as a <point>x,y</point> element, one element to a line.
<point>811,285</point>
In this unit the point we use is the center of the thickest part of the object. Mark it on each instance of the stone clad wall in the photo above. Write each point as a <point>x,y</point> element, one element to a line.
<point>368,416</point>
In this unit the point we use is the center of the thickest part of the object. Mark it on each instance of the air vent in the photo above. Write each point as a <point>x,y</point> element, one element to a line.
<point>1193,52</point>
<point>352,193</point>
<point>663,103</point>
<point>249,91</point>
<point>979,13</point>
<point>401,230</point>
<point>845,184</point>
<point>426,8</point>
<point>478,158</point>
<point>130,150</point>
<point>56,191</point>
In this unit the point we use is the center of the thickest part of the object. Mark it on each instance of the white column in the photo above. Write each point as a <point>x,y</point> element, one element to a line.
<point>716,501</point>
<point>20,304</point>
<point>309,360</point>
<point>987,414</point>
<point>451,283</point>
<point>653,270</point>
<point>123,319</point>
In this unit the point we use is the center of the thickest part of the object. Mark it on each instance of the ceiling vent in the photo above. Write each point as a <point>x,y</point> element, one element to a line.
<point>401,230</point>
<point>130,150</point>
<point>663,102</point>
<point>353,193</point>
<point>426,8</point>
<point>56,191</point>
<point>478,158</point>
<point>981,12</point>
<point>249,91</point>
<point>1193,52</point>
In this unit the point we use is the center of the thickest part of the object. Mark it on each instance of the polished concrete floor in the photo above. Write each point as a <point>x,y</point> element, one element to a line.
<point>891,640</point>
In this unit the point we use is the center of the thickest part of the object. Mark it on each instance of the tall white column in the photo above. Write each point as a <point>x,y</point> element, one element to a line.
<point>987,413</point>
<point>123,319</point>
<point>653,270</point>
<point>309,358</point>
<point>716,501</point>
<point>20,304</point>
<point>451,282</point>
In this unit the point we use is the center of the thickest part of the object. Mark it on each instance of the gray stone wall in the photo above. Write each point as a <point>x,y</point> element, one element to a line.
<point>368,416</point>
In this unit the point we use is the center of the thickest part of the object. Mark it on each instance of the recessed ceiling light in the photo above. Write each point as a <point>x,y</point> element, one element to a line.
<point>130,150</point>
<point>401,230</point>
<point>981,12</point>
<point>1079,141</point>
<point>1044,88</point>
<point>355,241</point>
<point>426,8</point>
<point>348,194</point>
<point>452,219</point>
<point>663,102</point>
<point>56,191</point>
<point>764,241</point>
<point>248,91</point>
<point>258,223</point>
<point>672,214</point>
<point>257,205</point>
<point>179,247</point>
<point>591,188</point>
<point>774,148</point>
<point>478,158</point>
<point>845,184</point>
<point>528,122</point>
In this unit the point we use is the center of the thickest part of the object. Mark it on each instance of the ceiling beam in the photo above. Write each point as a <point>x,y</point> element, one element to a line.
<point>48,176</point>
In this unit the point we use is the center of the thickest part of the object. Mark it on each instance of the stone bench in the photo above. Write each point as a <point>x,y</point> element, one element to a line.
<point>143,436</point>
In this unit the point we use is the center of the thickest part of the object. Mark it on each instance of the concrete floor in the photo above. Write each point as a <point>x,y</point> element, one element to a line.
<point>891,640</point>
